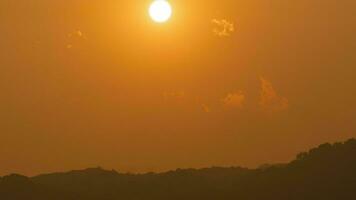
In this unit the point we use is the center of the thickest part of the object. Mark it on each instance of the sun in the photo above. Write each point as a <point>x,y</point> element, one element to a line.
<point>160,11</point>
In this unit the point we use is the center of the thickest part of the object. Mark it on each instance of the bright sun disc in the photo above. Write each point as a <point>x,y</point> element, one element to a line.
<point>160,11</point>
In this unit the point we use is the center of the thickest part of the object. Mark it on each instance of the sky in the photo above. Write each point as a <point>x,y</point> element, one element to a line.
<point>88,83</point>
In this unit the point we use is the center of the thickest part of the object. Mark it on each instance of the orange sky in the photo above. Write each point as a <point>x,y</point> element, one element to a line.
<point>96,83</point>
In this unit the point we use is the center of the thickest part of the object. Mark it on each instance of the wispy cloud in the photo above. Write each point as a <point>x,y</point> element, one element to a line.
<point>206,108</point>
<point>234,100</point>
<point>269,98</point>
<point>174,95</point>
<point>73,37</point>
<point>223,27</point>
<point>76,33</point>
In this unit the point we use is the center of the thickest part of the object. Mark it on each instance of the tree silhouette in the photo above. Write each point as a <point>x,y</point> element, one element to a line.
<point>325,172</point>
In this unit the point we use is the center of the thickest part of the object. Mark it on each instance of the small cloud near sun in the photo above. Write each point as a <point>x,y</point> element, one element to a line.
<point>223,27</point>
<point>73,37</point>
<point>269,99</point>
<point>76,33</point>
<point>234,100</point>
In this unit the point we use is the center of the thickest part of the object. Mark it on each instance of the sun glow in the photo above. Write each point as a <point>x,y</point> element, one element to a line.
<point>160,11</point>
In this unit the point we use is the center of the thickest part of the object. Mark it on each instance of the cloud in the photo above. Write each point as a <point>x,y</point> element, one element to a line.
<point>76,33</point>
<point>174,95</point>
<point>206,108</point>
<point>74,37</point>
<point>234,100</point>
<point>187,100</point>
<point>223,28</point>
<point>269,99</point>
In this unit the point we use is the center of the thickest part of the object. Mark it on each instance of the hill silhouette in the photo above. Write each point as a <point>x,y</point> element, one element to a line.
<point>325,172</point>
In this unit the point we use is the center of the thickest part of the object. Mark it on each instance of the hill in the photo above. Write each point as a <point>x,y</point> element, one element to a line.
<point>325,172</point>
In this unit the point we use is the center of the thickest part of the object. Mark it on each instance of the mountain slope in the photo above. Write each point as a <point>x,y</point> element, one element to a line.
<point>325,172</point>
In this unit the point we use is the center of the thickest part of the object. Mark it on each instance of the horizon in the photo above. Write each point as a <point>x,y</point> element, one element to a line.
<point>324,172</point>
<point>118,171</point>
<point>264,166</point>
